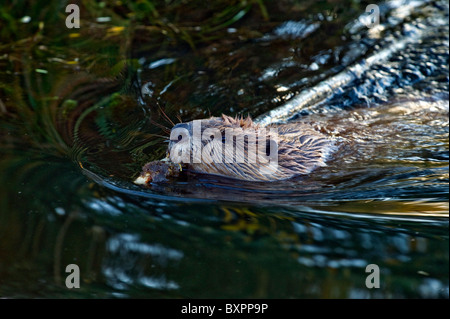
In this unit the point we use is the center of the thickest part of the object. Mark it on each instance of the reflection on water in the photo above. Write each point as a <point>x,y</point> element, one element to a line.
<point>132,246</point>
<point>74,138</point>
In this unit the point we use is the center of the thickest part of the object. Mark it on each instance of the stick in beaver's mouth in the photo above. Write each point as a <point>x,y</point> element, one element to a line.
<point>158,171</point>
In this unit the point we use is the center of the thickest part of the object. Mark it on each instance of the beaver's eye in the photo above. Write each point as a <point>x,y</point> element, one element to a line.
<point>180,137</point>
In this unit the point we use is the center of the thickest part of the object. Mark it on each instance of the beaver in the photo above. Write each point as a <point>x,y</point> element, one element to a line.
<point>241,149</point>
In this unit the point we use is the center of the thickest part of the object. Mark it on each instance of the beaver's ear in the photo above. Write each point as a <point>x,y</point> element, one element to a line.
<point>227,119</point>
<point>248,122</point>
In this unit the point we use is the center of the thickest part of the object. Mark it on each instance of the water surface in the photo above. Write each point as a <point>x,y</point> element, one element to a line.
<point>82,110</point>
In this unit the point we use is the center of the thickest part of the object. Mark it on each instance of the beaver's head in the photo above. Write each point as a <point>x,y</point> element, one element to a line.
<point>239,148</point>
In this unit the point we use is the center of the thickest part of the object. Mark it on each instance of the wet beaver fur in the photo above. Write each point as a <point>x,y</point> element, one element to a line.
<point>241,149</point>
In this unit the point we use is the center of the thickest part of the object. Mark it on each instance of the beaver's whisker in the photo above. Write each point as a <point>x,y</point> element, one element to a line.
<point>157,135</point>
<point>147,135</point>
<point>164,128</point>
<point>165,115</point>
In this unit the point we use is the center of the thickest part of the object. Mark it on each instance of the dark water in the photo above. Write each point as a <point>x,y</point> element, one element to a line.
<point>81,112</point>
